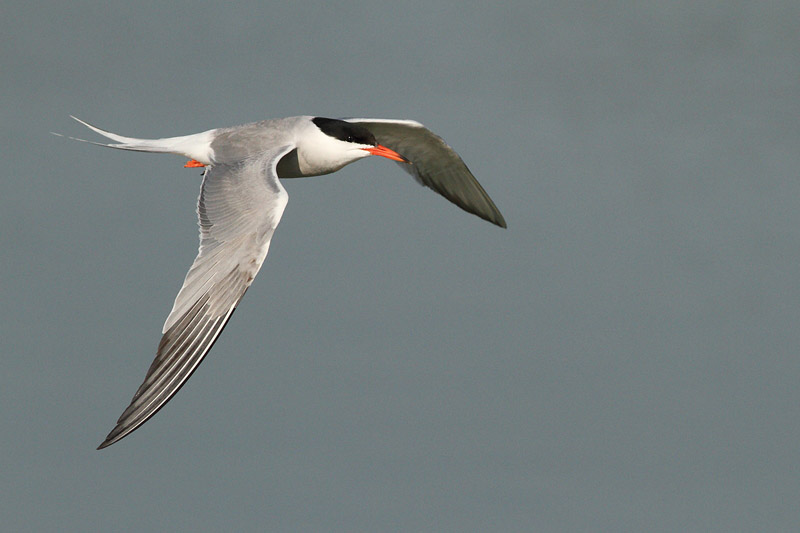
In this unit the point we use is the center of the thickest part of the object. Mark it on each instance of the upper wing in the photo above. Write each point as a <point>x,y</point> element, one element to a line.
<point>433,164</point>
<point>239,207</point>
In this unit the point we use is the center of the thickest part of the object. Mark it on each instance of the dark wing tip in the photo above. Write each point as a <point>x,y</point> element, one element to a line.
<point>494,217</point>
<point>116,434</point>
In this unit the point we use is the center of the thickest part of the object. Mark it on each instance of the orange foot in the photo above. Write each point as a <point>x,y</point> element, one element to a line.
<point>193,164</point>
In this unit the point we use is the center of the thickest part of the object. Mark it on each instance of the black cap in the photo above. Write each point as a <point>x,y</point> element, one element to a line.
<point>345,131</point>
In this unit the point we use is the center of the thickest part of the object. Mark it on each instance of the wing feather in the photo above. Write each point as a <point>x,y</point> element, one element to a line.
<point>434,164</point>
<point>239,208</point>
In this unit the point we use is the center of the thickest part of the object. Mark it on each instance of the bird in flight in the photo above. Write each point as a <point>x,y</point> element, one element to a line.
<point>241,202</point>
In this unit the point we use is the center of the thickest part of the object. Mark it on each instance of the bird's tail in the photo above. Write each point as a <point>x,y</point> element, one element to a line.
<point>196,146</point>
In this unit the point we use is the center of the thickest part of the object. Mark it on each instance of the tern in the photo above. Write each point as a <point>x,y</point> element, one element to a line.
<point>241,202</point>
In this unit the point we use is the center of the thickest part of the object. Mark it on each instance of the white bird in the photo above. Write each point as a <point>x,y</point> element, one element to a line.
<point>241,202</point>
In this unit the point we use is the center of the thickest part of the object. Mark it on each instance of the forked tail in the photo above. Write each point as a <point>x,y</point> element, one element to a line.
<point>196,146</point>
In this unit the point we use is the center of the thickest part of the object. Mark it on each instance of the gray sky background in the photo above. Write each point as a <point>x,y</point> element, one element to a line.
<point>623,358</point>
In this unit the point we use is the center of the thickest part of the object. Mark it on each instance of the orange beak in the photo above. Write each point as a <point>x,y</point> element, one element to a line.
<point>387,153</point>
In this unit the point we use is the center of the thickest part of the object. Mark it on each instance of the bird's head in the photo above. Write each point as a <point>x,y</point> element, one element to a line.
<point>332,144</point>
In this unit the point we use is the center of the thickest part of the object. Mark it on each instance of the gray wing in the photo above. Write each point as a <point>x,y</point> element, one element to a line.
<point>434,164</point>
<point>239,207</point>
